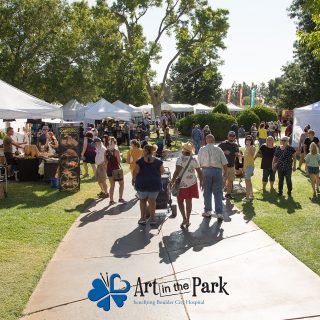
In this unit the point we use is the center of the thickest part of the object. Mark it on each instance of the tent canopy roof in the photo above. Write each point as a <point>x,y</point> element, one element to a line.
<point>233,107</point>
<point>103,109</point>
<point>311,107</point>
<point>127,107</point>
<point>176,107</point>
<point>16,104</point>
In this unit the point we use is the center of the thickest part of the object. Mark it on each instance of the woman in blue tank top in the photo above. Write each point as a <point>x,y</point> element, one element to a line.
<point>147,180</point>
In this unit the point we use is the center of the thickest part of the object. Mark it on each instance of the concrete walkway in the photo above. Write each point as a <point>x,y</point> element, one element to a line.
<point>264,281</point>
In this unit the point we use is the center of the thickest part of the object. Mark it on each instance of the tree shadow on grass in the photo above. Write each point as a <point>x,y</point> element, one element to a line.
<point>32,194</point>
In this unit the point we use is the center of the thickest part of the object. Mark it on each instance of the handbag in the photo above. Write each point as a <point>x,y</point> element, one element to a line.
<point>176,188</point>
<point>117,174</point>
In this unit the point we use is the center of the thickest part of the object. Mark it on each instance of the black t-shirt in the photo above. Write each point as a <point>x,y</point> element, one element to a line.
<point>81,135</point>
<point>308,141</point>
<point>267,156</point>
<point>233,148</point>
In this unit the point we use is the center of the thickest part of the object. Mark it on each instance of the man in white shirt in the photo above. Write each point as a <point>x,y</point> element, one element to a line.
<point>213,162</point>
<point>101,172</point>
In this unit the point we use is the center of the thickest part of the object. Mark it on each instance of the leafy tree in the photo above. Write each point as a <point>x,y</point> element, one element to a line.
<point>198,29</point>
<point>221,107</point>
<point>246,118</point>
<point>264,113</point>
<point>201,86</point>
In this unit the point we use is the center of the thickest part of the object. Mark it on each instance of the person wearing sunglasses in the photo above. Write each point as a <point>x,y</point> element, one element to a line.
<point>284,162</point>
<point>231,150</point>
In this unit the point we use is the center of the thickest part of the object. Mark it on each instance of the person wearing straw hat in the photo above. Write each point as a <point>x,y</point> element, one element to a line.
<point>185,175</point>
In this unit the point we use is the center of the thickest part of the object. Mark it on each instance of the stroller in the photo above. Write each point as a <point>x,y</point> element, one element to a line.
<point>164,200</point>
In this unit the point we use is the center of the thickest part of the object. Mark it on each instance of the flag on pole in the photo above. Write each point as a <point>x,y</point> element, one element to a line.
<point>252,95</point>
<point>240,95</point>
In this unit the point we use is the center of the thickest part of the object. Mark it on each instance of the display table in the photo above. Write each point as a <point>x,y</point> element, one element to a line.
<point>50,168</point>
<point>28,168</point>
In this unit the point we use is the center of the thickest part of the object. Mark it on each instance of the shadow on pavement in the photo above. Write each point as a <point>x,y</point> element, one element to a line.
<point>109,210</point>
<point>204,236</point>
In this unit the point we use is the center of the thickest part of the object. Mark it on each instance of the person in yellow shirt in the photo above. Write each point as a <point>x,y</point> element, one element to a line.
<point>134,154</point>
<point>248,166</point>
<point>262,134</point>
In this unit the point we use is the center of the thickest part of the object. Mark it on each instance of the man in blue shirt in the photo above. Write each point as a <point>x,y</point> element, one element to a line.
<point>196,137</point>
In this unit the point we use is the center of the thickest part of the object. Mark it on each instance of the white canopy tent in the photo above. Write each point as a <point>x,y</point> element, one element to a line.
<point>104,109</point>
<point>233,108</point>
<point>134,111</point>
<point>73,111</point>
<point>146,108</point>
<point>301,117</point>
<point>16,104</point>
<point>176,107</point>
<point>201,108</point>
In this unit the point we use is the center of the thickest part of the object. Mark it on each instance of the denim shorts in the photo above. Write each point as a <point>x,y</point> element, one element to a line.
<point>148,194</point>
<point>249,172</point>
<point>313,170</point>
<point>268,174</point>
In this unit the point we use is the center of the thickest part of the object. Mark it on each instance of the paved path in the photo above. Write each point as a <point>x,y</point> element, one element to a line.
<point>264,281</point>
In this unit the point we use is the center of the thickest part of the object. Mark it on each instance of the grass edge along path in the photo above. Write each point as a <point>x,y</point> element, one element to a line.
<point>33,220</point>
<point>292,222</point>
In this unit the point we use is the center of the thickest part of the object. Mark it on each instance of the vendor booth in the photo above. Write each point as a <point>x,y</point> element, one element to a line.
<point>73,111</point>
<point>233,108</point>
<point>181,110</point>
<point>303,116</point>
<point>104,109</point>
<point>136,113</point>
<point>201,108</point>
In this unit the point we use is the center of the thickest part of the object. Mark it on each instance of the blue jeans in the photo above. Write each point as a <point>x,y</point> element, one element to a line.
<point>197,145</point>
<point>212,184</point>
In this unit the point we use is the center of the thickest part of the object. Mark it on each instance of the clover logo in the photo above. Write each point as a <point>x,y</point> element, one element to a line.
<point>102,292</point>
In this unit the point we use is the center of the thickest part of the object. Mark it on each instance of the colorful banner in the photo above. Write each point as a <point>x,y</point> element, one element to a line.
<point>69,160</point>
<point>240,95</point>
<point>252,96</point>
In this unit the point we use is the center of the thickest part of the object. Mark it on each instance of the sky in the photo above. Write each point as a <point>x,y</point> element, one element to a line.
<point>259,41</point>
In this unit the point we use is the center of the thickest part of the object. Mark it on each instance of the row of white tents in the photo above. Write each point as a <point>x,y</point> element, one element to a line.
<point>16,104</point>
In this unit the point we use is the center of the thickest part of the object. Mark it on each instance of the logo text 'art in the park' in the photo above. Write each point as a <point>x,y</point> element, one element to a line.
<point>104,291</point>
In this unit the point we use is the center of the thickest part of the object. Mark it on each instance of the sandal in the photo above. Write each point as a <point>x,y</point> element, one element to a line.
<point>111,203</point>
<point>122,200</point>
<point>142,221</point>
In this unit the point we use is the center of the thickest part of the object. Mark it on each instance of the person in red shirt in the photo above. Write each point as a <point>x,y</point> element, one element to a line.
<point>288,131</point>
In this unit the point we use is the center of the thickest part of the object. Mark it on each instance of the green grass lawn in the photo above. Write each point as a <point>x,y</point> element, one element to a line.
<point>293,222</point>
<point>33,220</point>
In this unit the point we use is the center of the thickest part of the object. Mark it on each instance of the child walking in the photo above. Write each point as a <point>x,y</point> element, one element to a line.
<point>313,162</point>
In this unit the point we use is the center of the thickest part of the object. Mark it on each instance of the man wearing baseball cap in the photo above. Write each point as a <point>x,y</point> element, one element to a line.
<point>231,150</point>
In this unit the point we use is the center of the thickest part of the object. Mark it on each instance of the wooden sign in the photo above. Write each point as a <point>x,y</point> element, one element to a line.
<point>69,158</point>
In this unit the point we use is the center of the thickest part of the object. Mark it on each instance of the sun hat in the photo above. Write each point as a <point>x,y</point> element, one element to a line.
<point>188,146</point>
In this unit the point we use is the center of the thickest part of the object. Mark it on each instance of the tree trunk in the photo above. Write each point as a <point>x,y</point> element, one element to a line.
<point>155,99</point>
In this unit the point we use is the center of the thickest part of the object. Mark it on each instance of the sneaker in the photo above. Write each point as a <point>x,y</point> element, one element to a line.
<point>220,216</point>
<point>280,194</point>
<point>207,214</point>
<point>246,200</point>
<point>104,195</point>
<point>229,196</point>
<point>100,194</point>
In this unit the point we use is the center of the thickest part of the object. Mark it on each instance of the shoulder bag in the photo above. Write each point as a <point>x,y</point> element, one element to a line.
<point>176,188</point>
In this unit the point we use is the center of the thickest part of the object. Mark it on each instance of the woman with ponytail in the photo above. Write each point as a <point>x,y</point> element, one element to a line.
<point>147,180</point>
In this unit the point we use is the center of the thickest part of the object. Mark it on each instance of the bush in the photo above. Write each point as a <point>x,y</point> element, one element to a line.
<point>265,114</point>
<point>219,124</point>
<point>246,118</point>
<point>221,107</point>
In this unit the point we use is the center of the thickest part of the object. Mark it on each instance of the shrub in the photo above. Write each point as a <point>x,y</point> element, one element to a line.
<point>219,124</point>
<point>246,118</point>
<point>221,107</point>
<point>265,114</point>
